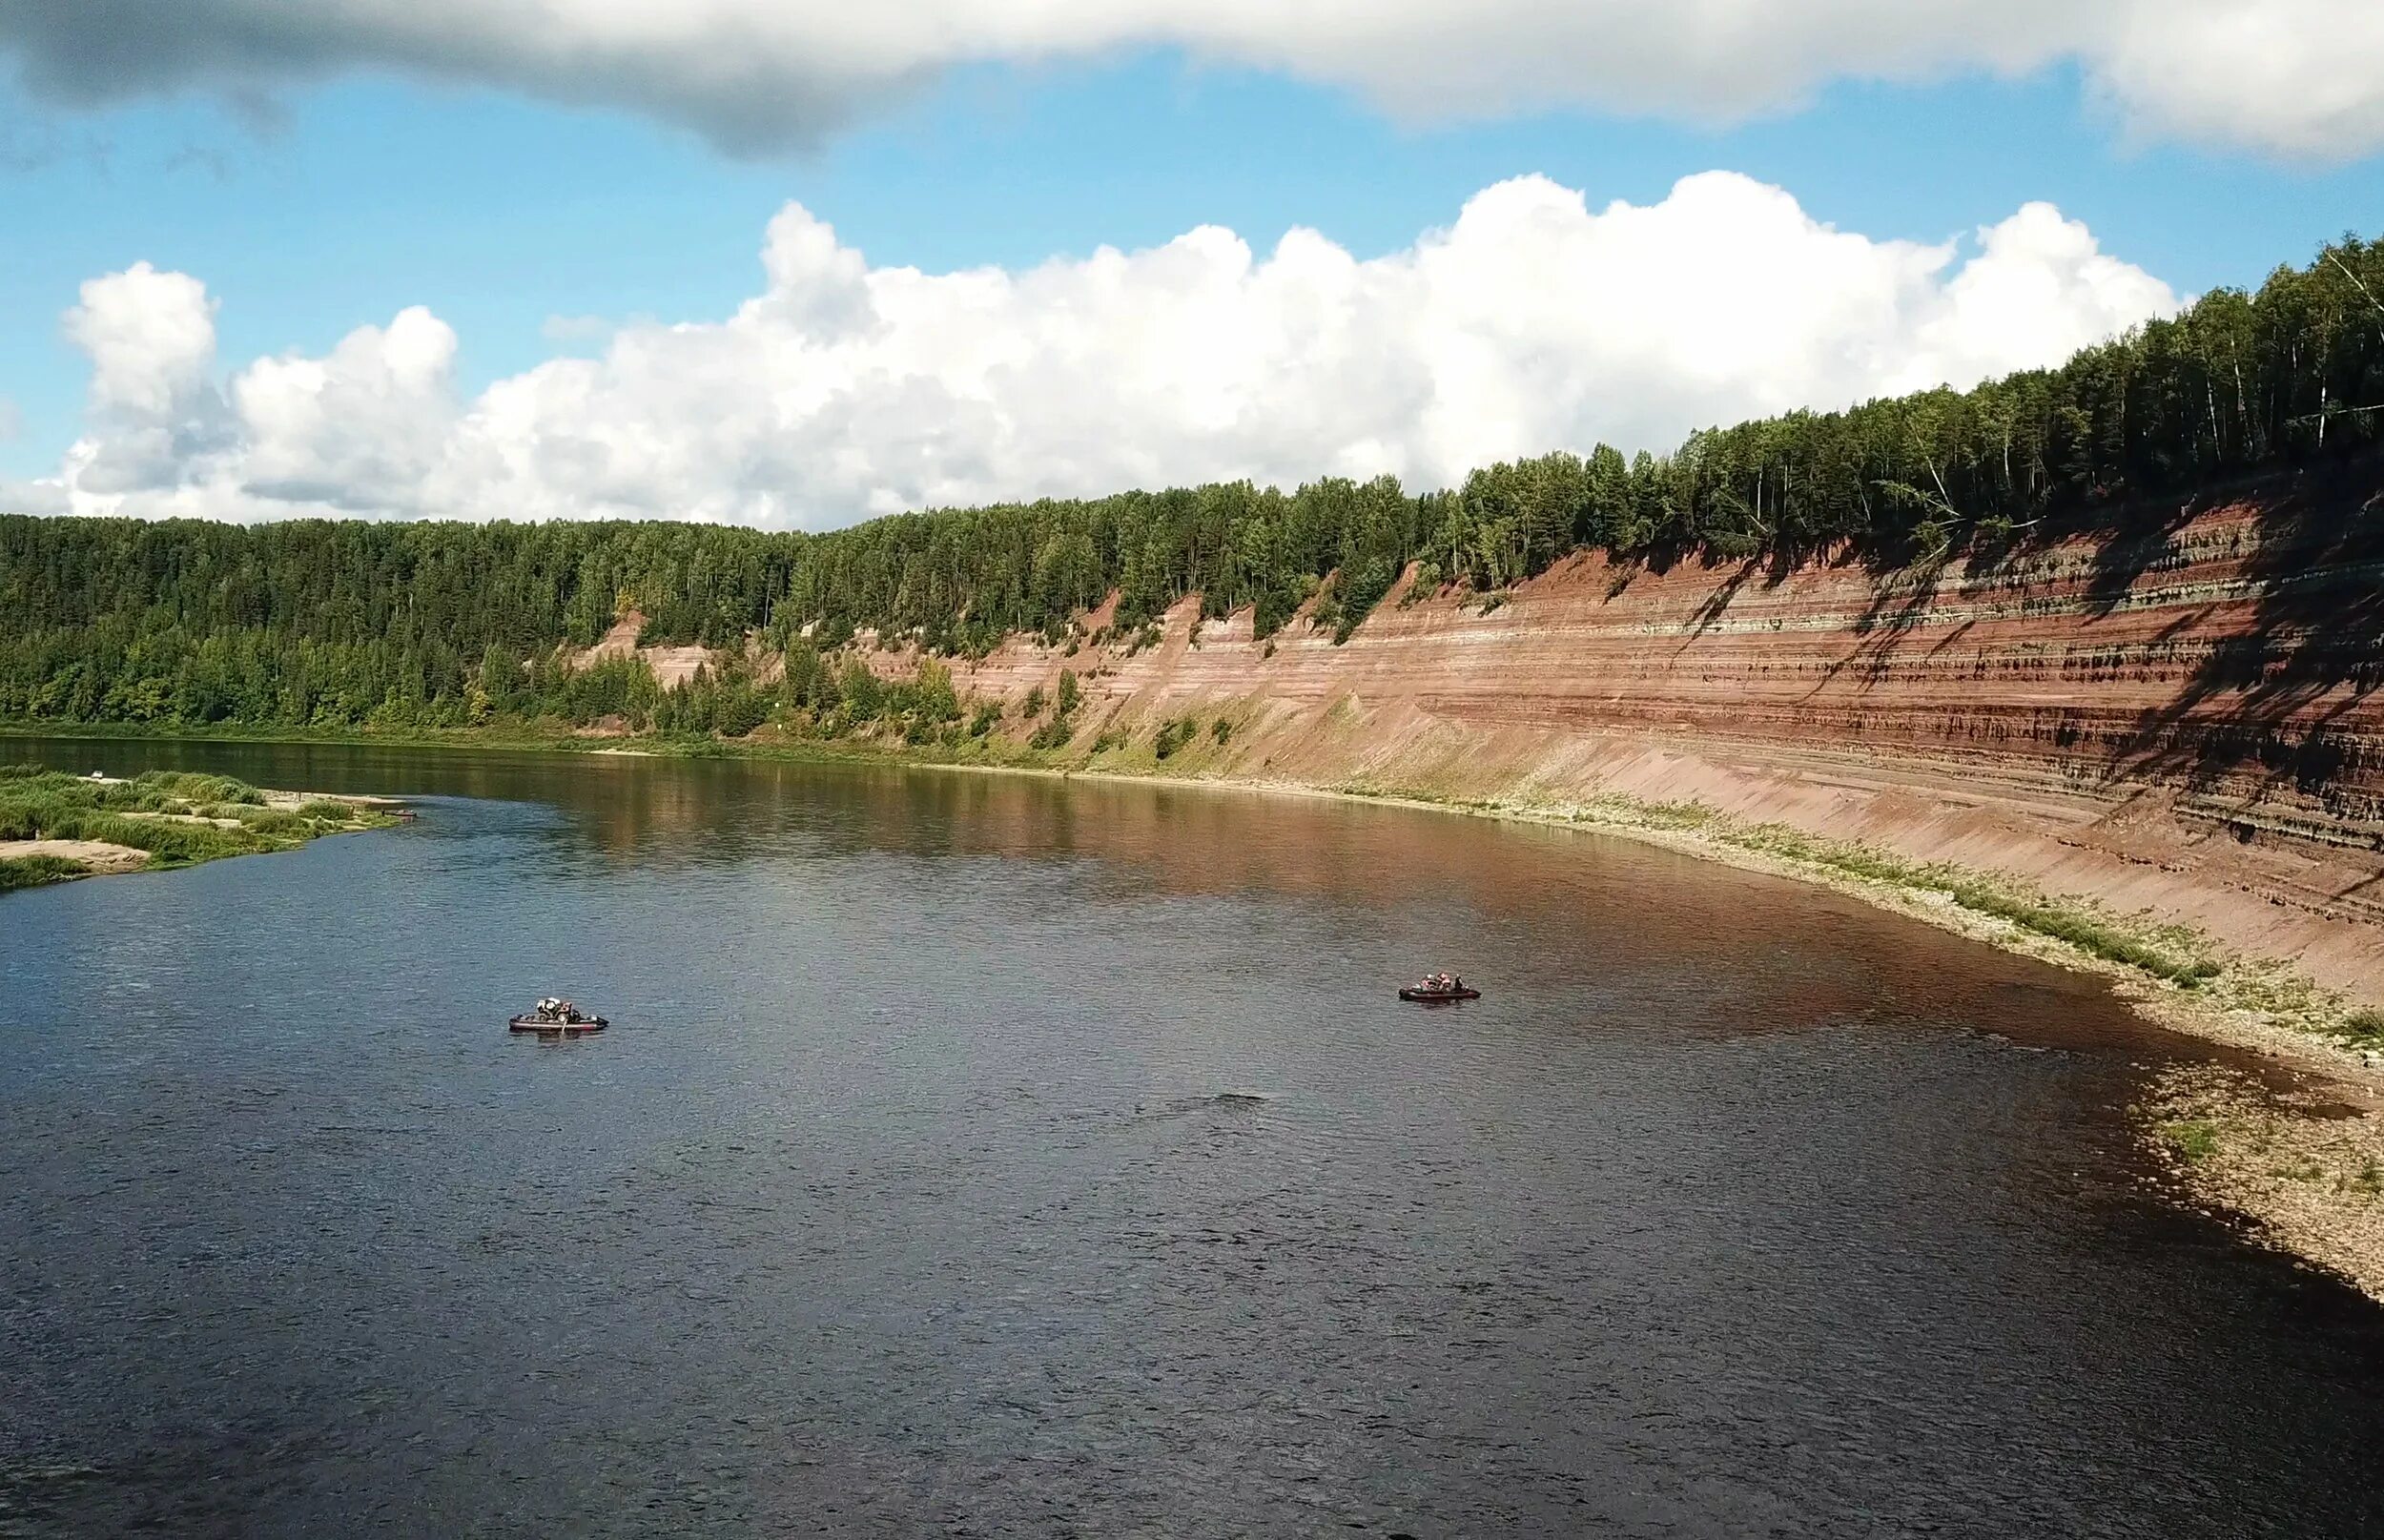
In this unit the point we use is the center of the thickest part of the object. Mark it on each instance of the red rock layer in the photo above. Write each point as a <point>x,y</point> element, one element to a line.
<point>2183,721</point>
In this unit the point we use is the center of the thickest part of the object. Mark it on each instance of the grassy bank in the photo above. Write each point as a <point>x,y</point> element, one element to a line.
<point>33,871</point>
<point>2173,957</point>
<point>158,820</point>
<point>2171,963</point>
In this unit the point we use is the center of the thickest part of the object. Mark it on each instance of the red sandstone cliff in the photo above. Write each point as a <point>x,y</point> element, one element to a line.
<point>2182,721</point>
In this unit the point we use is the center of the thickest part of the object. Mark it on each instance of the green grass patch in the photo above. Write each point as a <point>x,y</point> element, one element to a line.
<point>2364,1029</point>
<point>167,842</point>
<point>1614,809</point>
<point>274,821</point>
<point>2077,927</point>
<point>2088,934</point>
<point>34,871</point>
<point>155,813</point>
<point>2194,1139</point>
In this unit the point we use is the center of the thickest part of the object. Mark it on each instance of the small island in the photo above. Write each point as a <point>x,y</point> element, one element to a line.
<point>56,827</point>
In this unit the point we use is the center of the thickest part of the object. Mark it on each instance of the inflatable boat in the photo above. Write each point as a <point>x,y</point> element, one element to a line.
<point>552,1023</point>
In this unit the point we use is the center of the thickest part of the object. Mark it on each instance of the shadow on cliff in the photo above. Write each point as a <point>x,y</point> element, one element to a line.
<point>1904,594</point>
<point>2145,544</point>
<point>2267,702</point>
<point>2266,709</point>
<point>1717,603</point>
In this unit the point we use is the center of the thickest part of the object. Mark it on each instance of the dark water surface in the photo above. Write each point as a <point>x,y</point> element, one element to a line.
<point>985,1156</point>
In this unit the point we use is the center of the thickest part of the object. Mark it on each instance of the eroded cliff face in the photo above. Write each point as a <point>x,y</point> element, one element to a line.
<point>2182,722</point>
<point>673,665</point>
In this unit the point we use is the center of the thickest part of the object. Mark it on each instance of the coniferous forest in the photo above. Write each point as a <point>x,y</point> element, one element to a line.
<point>336,624</point>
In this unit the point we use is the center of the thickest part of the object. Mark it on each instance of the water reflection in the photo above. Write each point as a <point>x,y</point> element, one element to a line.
<point>1599,908</point>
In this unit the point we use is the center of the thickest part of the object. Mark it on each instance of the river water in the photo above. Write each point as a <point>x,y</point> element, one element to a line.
<point>981,1156</point>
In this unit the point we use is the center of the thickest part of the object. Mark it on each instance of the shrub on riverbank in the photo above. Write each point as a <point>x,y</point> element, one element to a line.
<point>178,818</point>
<point>33,871</point>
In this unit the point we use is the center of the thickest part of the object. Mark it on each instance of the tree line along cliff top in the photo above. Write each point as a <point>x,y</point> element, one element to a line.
<point>324,622</point>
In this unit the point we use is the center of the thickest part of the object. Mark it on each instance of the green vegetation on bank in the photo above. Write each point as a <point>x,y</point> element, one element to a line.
<point>336,624</point>
<point>2274,991</point>
<point>175,817</point>
<point>2269,991</point>
<point>33,871</point>
<point>2089,932</point>
<point>2194,1139</point>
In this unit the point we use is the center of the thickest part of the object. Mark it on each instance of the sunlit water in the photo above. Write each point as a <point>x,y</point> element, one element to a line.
<point>988,1156</point>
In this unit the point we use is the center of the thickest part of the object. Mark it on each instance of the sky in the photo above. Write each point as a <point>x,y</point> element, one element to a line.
<point>795,264</point>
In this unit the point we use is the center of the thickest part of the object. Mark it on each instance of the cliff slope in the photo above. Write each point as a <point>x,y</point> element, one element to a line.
<point>2182,722</point>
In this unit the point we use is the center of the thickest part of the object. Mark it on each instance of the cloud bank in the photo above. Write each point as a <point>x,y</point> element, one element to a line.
<point>2297,79</point>
<point>843,390</point>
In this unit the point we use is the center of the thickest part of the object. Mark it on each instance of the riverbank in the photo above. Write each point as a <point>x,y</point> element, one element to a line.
<point>2280,1129</point>
<point>56,827</point>
<point>2282,1132</point>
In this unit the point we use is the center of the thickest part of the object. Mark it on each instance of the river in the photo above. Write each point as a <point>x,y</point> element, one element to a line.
<point>978,1155</point>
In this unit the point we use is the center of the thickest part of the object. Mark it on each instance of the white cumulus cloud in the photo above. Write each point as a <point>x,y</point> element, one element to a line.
<point>2289,78</point>
<point>151,337</point>
<point>1535,322</point>
<point>358,430</point>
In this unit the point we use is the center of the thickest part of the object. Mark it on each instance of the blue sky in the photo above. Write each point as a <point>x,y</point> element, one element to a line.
<point>349,200</point>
